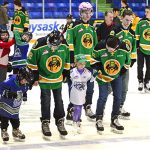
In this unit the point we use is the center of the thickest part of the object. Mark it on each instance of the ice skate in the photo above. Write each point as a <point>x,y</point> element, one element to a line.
<point>46,130</point>
<point>147,88</point>
<point>69,117</point>
<point>77,127</point>
<point>140,87</point>
<point>115,126</point>
<point>4,135</point>
<point>124,114</point>
<point>61,127</point>
<point>90,115</point>
<point>18,135</point>
<point>99,125</point>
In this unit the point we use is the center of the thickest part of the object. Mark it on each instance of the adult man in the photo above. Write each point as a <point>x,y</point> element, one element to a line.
<point>112,60</point>
<point>143,51</point>
<point>21,18</point>
<point>48,57</point>
<point>127,35</point>
<point>116,19</point>
<point>82,40</point>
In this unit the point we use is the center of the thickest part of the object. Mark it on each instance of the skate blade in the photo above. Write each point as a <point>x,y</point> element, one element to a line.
<point>123,117</point>
<point>46,138</point>
<point>5,142</point>
<point>63,137</point>
<point>147,91</point>
<point>100,132</point>
<point>18,140</point>
<point>69,122</point>
<point>90,119</point>
<point>116,131</point>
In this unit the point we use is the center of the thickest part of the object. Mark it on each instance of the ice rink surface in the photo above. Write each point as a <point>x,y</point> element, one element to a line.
<point>136,134</point>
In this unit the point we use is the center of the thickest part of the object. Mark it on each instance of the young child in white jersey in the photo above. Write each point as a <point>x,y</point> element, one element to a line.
<point>79,77</point>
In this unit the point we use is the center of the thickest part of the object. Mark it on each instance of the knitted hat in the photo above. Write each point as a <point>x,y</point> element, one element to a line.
<point>17,2</point>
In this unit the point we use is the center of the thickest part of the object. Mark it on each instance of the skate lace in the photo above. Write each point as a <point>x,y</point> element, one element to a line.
<point>141,85</point>
<point>148,86</point>
<point>61,125</point>
<point>4,134</point>
<point>116,122</point>
<point>99,123</point>
<point>123,111</point>
<point>46,127</point>
<point>89,112</point>
<point>17,132</point>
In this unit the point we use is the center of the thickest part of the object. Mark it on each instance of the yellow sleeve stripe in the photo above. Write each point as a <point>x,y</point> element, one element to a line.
<point>133,55</point>
<point>67,66</point>
<point>137,37</point>
<point>33,67</point>
<point>71,47</point>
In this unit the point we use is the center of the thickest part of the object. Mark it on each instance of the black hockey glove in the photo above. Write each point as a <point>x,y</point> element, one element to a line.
<point>9,67</point>
<point>123,70</point>
<point>132,62</point>
<point>66,75</point>
<point>8,94</point>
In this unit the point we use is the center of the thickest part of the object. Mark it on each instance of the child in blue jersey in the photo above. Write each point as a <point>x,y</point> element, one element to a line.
<point>11,95</point>
<point>19,58</point>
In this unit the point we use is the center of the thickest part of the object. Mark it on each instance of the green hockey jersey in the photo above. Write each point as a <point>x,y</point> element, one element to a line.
<point>143,36</point>
<point>50,64</point>
<point>127,36</point>
<point>82,39</point>
<point>20,20</point>
<point>112,63</point>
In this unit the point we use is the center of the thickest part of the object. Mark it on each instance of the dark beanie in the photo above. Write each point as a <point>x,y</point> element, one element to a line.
<point>17,2</point>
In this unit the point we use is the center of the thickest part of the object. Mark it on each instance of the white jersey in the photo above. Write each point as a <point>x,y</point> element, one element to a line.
<point>79,85</point>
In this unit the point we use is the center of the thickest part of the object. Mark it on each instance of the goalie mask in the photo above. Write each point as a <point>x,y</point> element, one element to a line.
<point>26,73</point>
<point>4,35</point>
<point>54,39</point>
<point>26,36</point>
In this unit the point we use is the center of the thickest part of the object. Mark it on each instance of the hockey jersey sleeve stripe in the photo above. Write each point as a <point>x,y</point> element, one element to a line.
<point>104,78</point>
<point>46,80</point>
<point>71,47</point>
<point>33,67</point>
<point>26,25</point>
<point>133,56</point>
<point>145,46</point>
<point>18,29</point>
<point>126,66</point>
<point>137,37</point>
<point>67,66</point>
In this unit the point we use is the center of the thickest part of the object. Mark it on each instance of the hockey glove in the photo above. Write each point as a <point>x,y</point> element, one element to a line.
<point>123,70</point>
<point>8,94</point>
<point>9,67</point>
<point>132,62</point>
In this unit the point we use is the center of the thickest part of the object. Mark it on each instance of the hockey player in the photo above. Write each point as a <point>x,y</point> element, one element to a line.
<point>4,53</point>
<point>19,58</point>
<point>143,51</point>
<point>11,94</point>
<point>79,77</point>
<point>20,19</point>
<point>69,23</point>
<point>50,58</point>
<point>127,35</point>
<point>113,60</point>
<point>82,39</point>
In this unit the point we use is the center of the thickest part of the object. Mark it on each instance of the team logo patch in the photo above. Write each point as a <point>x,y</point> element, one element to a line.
<point>45,52</point>
<point>17,20</point>
<point>112,67</point>
<point>128,44</point>
<point>54,64</point>
<point>87,40</point>
<point>146,34</point>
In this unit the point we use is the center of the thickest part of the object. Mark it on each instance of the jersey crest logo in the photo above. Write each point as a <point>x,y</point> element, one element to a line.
<point>54,64</point>
<point>146,34</point>
<point>128,44</point>
<point>87,40</point>
<point>17,20</point>
<point>112,67</point>
<point>79,86</point>
<point>17,53</point>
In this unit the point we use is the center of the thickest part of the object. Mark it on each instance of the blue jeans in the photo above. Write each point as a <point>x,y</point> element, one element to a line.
<point>103,94</point>
<point>46,103</point>
<point>125,82</point>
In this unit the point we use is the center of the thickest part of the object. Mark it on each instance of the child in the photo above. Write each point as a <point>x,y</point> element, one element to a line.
<point>79,77</point>
<point>20,52</point>
<point>11,95</point>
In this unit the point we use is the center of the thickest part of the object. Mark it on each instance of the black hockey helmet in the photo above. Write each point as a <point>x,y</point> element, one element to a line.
<point>54,38</point>
<point>29,34</point>
<point>2,32</point>
<point>112,41</point>
<point>69,16</point>
<point>26,73</point>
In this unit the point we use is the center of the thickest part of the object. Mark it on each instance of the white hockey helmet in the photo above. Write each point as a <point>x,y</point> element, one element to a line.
<point>85,6</point>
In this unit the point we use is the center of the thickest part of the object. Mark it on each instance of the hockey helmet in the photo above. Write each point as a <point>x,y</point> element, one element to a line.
<point>26,36</point>
<point>26,73</point>
<point>54,38</point>
<point>85,6</point>
<point>2,37</point>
